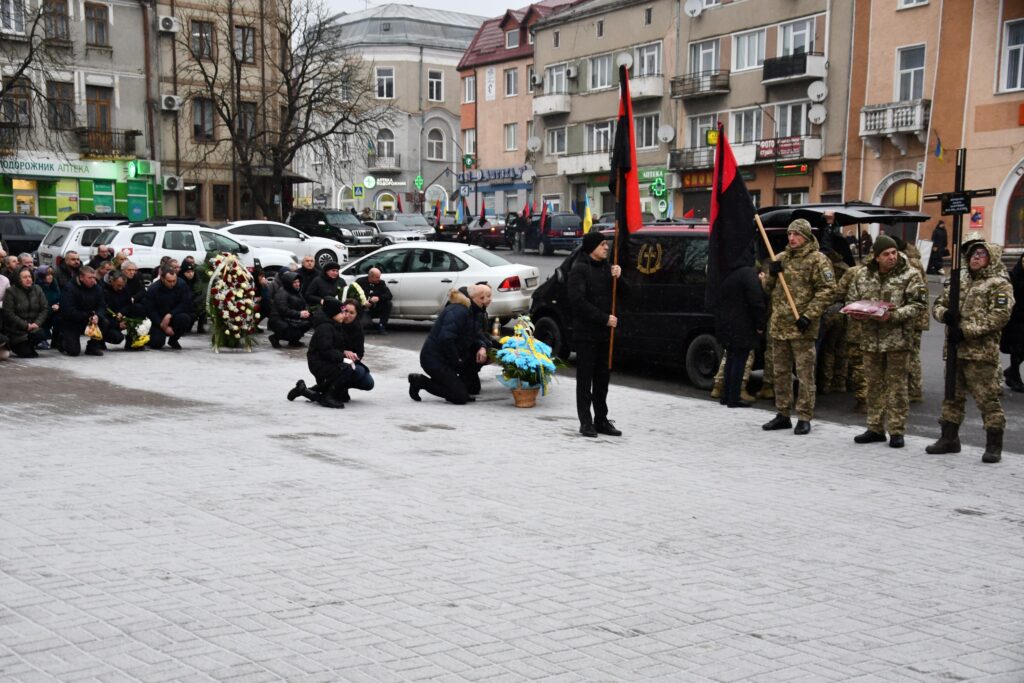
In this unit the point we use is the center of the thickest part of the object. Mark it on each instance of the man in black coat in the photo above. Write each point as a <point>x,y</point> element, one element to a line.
<point>453,348</point>
<point>169,308</point>
<point>378,298</point>
<point>326,358</point>
<point>307,272</point>
<point>739,323</point>
<point>327,286</point>
<point>940,242</point>
<point>67,269</point>
<point>81,305</point>
<point>289,317</point>
<point>590,298</point>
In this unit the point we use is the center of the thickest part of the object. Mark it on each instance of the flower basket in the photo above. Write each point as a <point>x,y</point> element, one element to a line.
<point>525,398</point>
<point>526,364</point>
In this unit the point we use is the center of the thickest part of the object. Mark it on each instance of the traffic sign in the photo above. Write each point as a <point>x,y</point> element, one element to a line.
<point>357,191</point>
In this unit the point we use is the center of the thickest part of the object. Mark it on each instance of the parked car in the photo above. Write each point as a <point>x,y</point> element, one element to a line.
<point>149,241</point>
<point>448,230</point>
<point>560,231</point>
<point>281,236</point>
<point>662,318</point>
<point>21,234</point>
<point>606,220</point>
<point>415,221</point>
<point>421,275</point>
<point>391,232</point>
<point>489,234</point>
<point>332,224</point>
<point>74,235</point>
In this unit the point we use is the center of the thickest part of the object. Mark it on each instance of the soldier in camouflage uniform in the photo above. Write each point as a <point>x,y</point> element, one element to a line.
<point>922,324</point>
<point>886,341</point>
<point>831,360</point>
<point>986,300</point>
<point>811,281</point>
<point>851,342</point>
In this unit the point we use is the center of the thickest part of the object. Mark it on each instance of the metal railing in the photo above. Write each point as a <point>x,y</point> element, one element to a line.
<point>787,66</point>
<point>108,143</point>
<point>378,161</point>
<point>691,158</point>
<point>701,83</point>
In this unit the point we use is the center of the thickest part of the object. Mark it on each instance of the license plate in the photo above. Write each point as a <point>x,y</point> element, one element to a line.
<point>531,282</point>
<point>570,233</point>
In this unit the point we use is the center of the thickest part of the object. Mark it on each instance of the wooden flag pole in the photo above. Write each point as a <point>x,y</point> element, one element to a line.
<point>782,278</point>
<point>615,262</point>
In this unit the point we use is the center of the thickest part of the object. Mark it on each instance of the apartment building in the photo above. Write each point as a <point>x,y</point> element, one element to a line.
<point>412,53</point>
<point>75,131</point>
<point>775,73</point>
<point>576,98</point>
<point>498,83</point>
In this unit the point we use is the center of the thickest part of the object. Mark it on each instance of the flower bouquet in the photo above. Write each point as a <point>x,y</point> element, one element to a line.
<point>136,330</point>
<point>231,303</point>
<point>526,363</point>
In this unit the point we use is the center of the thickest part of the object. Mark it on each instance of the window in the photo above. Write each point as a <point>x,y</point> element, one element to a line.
<point>554,38</point>
<point>797,37</point>
<point>17,103</point>
<point>645,129</point>
<point>385,82</point>
<point>179,240</point>
<point>435,86</point>
<point>511,82</point>
<point>202,119</point>
<point>1013,56</point>
<point>60,105</point>
<point>385,143</point>
<point>285,54</point>
<point>704,57</point>
<point>555,80</point>
<point>648,60</point>
<point>245,44</point>
<point>699,127</point>
<point>748,50</point>
<point>469,89</point>
<point>903,4</point>
<point>910,73</point>
<point>12,16</point>
<point>55,20</point>
<point>98,101</point>
<point>435,145</point>
<point>246,119</point>
<point>791,120</point>
<point>530,129</point>
<point>600,28</point>
<point>511,202</point>
<point>202,39</point>
<point>529,77</point>
<point>556,141</point>
<point>469,140</point>
<point>712,3</point>
<point>600,72</point>
<point>529,37</point>
<point>511,39</point>
<point>746,126</point>
<point>833,187</point>
<point>510,136</point>
<point>97,31</point>
<point>791,197</point>
<point>598,136</point>
<point>648,16</point>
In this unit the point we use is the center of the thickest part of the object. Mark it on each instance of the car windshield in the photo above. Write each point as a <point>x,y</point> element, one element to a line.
<point>390,226</point>
<point>487,258</point>
<point>214,242</point>
<point>412,220</point>
<point>55,237</point>
<point>341,219</point>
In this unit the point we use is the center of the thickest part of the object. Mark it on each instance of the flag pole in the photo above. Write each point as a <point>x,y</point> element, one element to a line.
<point>615,262</point>
<point>782,277</point>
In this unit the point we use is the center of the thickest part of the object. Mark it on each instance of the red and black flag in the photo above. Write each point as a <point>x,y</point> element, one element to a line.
<point>483,211</point>
<point>624,180</point>
<point>732,221</point>
<point>467,214</point>
<point>437,213</point>
<point>399,197</point>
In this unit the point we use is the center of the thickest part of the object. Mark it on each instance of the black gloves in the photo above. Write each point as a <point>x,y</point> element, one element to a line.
<point>775,267</point>
<point>802,323</point>
<point>951,318</point>
<point>956,335</point>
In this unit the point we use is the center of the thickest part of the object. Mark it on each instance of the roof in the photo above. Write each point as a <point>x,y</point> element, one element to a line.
<point>488,46</point>
<point>586,8</point>
<point>395,24</point>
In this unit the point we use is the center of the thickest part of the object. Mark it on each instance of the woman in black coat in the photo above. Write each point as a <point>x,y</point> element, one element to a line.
<point>1012,341</point>
<point>739,323</point>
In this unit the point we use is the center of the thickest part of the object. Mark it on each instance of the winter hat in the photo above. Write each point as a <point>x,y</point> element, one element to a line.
<point>331,265</point>
<point>332,307</point>
<point>592,240</point>
<point>802,227</point>
<point>882,243</point>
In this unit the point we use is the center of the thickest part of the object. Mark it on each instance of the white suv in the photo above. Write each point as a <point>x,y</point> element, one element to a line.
<point>73,235</point>
<point>149,241</point>
<point>281,236</point>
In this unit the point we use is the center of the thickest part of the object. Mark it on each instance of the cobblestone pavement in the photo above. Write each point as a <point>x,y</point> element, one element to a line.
<point>170,516</point>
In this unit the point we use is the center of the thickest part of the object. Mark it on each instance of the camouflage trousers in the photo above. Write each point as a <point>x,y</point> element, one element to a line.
<point>888,400</point>
<point>769,363</point>
<point>984,381</point>
<point>720,375</point>
<point>916,389</point>
<point>855,366</point>
<point>785,354</point>
<point>834,363</point>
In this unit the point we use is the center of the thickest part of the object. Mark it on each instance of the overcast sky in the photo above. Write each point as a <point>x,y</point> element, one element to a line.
<point>486,8</point>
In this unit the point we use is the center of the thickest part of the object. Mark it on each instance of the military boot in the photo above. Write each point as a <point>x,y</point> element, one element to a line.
<point>767,392</point>
<point>746,397</point>
<point>993,446</point>
<point>949,442</point>
<point>718,389</point>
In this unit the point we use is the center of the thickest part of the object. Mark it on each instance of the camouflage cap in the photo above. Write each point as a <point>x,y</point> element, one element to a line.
<point>801,226</point>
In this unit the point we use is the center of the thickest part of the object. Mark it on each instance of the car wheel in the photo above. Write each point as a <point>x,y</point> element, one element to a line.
<point>703,356</point>
<point>324,257</point>
<point>550,332</point>
<point>547,249</point>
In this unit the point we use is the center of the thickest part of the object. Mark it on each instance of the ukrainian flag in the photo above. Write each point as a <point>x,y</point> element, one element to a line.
<point>938,148</point>
<point>588,218</point>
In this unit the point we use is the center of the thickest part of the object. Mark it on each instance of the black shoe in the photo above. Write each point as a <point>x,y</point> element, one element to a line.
<point>895,441</point>
<point>382,330</point>
<point>869,437</point>
<point>802,427</point>
<point>1013,381</point>
<point>414,386</point>
<point>780,421</point>
<point>93,351</point>
<point>587,429</point>
<point>295,344</point>
<point>328,401</point>
<point>275,341</point>
<point>343,396</point>
<point>174,343</point>
<point>740,404</point>
<point>297,390</point>
<point>607,427</point>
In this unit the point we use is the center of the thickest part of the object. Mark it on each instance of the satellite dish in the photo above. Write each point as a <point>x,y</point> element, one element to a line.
<point>817,91</point>
<point>666,133</point>
<point>533,143</point>
<point>624,59</point>
<point>529,177</point>
<point>816,114</point>
<point>693,8</point>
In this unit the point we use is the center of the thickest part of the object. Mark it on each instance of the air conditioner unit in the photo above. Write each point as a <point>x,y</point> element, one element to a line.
<point>572,72</point>
<point>168,24</point>
<point>170,102</point>
<point>173,183</point>
<point>537,80</point>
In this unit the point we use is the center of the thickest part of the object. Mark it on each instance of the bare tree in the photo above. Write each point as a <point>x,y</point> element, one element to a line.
<point>276,97</point>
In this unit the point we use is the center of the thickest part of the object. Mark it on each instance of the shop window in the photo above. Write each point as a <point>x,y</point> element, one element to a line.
<point>221,201</point>
<point>194,200</point>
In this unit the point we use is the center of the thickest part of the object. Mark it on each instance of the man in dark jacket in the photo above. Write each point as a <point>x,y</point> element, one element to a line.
<point>453,348</point>
<point>103,253</point>
<point>378,298</point>
<point>307,272</point>
<point>67,269</point>
<point>82,304</point>
<point>327,286</point>
<point>940,247</point>
<point>289,317</point>
<point>739,323</point>
<point>590,298</point>
<point>169,307</point>
<point>326,358</point>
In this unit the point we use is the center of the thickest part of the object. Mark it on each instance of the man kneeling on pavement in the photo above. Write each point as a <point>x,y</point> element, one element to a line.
<point>335,356</point>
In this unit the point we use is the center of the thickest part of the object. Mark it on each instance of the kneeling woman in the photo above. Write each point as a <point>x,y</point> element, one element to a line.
<point>334,357</point>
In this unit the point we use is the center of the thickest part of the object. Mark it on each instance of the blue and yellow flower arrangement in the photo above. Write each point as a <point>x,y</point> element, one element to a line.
<point>525,361</point>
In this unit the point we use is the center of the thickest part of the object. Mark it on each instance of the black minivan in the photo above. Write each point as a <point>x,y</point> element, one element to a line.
<point>662,318</point>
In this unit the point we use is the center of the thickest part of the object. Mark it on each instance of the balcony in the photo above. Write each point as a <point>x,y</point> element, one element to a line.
<point>895,121</point>
<point>691,158</point>
<point>647,87</point>
<point>797,67</point>
<point>549,104</point>
<point>589,162</point>
<point>99,143</point>
<point>377,163</point>
<point>701,84</point>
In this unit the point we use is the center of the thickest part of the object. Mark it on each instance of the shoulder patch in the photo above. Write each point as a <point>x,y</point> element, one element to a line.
<point>1001,300</point>
<point>827,274</point>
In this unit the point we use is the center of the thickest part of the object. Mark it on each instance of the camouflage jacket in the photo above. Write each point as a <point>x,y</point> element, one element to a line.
<point>914,255</point>
<point>904,287</point>
<point>986,300</point>
<point>811,281</point>
<point>842,295</point>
